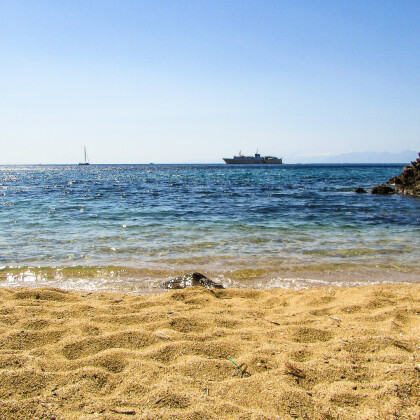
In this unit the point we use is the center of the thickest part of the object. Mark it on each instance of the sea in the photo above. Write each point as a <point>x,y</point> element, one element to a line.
<point>130,227</point>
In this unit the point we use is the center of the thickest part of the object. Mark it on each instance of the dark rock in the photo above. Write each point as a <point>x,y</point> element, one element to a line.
<point>191,279</point>
<point>394,181</point>
<point>383,190</point>
<point>408,182</point>
<point>408,171</point>
<point>360,190</point>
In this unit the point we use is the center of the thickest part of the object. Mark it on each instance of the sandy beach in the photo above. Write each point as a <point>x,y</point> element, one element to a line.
<point>328,353</point>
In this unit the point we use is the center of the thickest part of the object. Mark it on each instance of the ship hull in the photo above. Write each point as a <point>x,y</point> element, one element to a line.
<point>253,161</point>
<point>273,161</point>
<point>243,161</point>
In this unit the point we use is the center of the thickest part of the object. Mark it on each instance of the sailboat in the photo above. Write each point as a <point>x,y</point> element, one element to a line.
<point>86,162</point>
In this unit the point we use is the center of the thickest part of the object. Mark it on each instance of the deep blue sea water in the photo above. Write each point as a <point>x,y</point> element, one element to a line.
<point>130,226</point>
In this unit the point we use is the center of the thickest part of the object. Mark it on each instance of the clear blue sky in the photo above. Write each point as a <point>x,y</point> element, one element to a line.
<point>192,81</point>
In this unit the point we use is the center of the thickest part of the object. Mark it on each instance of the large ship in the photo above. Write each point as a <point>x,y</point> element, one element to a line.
<point>257,159</point>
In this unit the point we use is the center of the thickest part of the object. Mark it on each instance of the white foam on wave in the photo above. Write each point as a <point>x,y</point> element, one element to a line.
<point>300,283</point>
<point>297,283</point>
<point>22,279</point>
<point>114,282</point>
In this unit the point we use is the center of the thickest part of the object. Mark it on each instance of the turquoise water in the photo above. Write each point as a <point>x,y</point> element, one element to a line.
<point>129,227</point>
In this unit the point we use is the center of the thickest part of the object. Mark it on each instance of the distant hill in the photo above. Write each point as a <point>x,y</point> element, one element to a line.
<point>368,157</point>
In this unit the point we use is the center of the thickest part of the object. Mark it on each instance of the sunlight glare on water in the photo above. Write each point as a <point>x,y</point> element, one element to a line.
<point>168,219</point>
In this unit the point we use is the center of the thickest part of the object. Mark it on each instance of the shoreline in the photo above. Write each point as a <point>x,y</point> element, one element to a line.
<point>320,353</point>
<point>127,279</point>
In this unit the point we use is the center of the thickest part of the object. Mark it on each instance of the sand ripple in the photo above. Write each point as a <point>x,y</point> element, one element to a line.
<point>320,354</point>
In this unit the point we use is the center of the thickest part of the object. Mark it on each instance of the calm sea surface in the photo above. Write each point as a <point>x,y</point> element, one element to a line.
<point>121,227</point>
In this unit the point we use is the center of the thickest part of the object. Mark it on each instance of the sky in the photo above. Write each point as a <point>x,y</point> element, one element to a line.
<point>192,81</point>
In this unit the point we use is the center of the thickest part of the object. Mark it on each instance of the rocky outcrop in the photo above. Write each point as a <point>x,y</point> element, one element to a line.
<point>191,279</point>
<point>360,190</point>
<point>408,182</point>
<point>382,190</point>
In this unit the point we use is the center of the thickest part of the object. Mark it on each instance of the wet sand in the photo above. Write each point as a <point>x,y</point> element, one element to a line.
<point>326,353</point>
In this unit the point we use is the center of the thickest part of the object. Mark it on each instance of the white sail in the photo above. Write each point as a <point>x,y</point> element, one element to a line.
<point>86,161</point>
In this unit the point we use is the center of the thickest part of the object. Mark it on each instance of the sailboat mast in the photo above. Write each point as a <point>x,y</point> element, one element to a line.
<point>86,161</point>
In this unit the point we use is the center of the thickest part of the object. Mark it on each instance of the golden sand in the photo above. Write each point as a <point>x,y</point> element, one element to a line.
<point>331,353</point>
